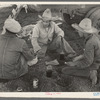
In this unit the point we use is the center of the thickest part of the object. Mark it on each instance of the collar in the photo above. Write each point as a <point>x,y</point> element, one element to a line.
<point>8,34</point>
<point>88,37</point>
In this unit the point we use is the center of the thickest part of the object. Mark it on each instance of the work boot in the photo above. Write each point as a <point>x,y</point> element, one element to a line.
<point>93,77</point>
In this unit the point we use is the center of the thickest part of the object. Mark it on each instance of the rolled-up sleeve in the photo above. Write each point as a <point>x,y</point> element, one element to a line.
<point>59,31</point>
<point>27,53</point>
<point>88,56</point>
<point>35,35</point>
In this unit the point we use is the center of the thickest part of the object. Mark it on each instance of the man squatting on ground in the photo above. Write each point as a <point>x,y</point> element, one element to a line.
<point>88,63</point>
<point>14,52</point>
<point>43,37</point>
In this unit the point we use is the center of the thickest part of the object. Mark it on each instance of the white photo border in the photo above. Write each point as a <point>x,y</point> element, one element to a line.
<point>50,94</point>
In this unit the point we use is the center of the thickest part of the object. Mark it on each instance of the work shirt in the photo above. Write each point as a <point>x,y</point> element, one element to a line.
<point>41,35</point>
<point>11,50</point>
<point>91,56</point>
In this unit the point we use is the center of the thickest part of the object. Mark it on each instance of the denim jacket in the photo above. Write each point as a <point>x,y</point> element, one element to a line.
<point>91,56</point>
<point>11,50</point>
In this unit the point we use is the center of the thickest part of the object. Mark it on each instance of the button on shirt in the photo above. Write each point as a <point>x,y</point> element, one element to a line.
<point>42,35</point>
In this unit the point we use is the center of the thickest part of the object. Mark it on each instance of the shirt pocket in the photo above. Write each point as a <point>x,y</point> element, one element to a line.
<point>43,35</point>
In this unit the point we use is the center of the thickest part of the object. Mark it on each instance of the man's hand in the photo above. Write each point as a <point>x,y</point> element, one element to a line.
<point>78,58</point>
<point>32,62</point>
<point>71,55</point>
<point>41,52</point>
<point>59,36</point>
<point>53,62</point>
<point>72,64</point>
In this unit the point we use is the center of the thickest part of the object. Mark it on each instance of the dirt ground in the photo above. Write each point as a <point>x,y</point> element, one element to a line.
<point>69,84</point>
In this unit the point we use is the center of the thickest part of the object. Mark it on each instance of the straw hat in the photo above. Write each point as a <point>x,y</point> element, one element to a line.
<point>12,26</point>
<point>85,26</point>
<point>46,15</point>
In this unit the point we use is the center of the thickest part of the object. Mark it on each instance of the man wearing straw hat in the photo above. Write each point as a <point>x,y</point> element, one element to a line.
<point>46,34</point>
<point>88,63</point>
<point>14,52</point>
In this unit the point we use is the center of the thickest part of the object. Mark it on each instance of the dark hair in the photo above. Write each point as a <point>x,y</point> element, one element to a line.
<point>9,31</point>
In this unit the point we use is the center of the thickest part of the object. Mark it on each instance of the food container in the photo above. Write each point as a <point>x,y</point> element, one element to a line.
<point>35,83</point>
<point>49,71</point>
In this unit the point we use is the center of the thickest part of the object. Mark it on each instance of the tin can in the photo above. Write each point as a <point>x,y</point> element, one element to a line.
<point>35,83</point>
<point>61,57</point>
<point>49,71</point>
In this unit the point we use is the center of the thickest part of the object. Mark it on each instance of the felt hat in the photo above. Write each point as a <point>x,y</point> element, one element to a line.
<point>46,15</point>
<point>85,26</point>
<point>12,25</point>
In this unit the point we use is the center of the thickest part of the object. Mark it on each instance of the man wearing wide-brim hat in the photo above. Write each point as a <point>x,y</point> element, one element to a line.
<point>88,63</point>
<point>14,52</point>
<point>47,35</point>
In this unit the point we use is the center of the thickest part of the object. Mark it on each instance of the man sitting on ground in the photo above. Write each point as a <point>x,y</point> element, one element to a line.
<point>14,52</point>
<point>88,63</point>
<point>46,34</point>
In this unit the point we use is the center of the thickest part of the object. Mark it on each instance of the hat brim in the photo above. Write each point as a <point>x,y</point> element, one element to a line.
<point>91,31</point>
<point>44,18</point>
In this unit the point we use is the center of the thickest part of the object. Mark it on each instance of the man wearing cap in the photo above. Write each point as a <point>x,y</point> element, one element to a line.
<point>46,34</point>
<point>88,63</point>
<point>14,52</point>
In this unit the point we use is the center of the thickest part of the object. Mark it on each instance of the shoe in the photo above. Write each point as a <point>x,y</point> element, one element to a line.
<point>93,77</point>
<point>94,81</point>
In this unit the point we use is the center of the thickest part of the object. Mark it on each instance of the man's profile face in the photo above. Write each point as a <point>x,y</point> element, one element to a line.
<point>20,33</point>
<point>81,34</point>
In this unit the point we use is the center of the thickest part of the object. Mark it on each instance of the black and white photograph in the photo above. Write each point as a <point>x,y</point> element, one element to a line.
<point>49,47</point>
